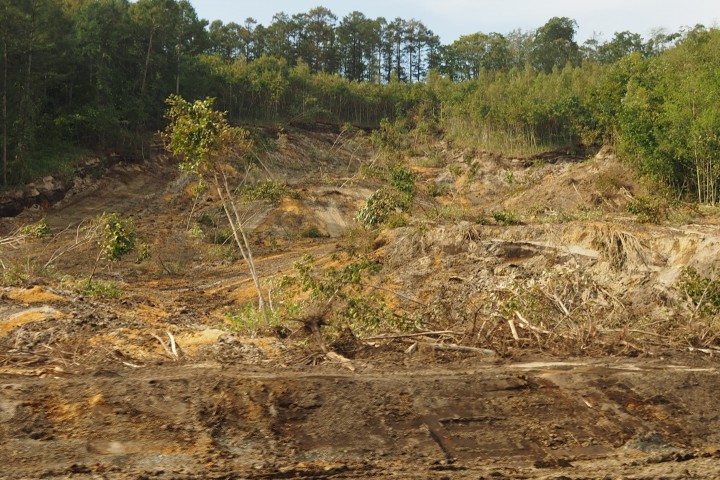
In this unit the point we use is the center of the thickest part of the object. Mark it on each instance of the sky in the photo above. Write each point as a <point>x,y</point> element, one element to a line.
<point>452,18</point>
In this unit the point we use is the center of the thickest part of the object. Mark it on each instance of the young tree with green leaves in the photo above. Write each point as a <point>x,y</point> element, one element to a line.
<point>207,145</point>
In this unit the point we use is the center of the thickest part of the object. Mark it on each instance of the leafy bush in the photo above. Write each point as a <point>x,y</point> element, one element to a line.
<point>312,232</point>
<point>37,230</point>
<point>118,236</point>
<point>98,288</point>
<point>704,292</point>
<point>647,209</point>
<point>386,202</point>
<point>268,190</point>
<point>402,179</point>
<point>380,205</point>
<point>506,218</point>
<point>356,307</point>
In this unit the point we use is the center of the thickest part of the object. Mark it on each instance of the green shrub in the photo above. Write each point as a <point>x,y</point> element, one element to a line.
<point>387,202</point>
<point>222,236</point>
<point>98,288</point>
<point>380,205</point>
<point>403,180</point>
<point>36,230</point>
<point>206,220</point>
<point>647,209</point>
<point>118,236</point>
<point>506,218</point>
<point>312,232</point>
<point>268,190</point>
<point>704,292</point>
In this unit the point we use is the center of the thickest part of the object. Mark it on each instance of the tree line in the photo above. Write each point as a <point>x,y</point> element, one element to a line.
<point>94,74</point>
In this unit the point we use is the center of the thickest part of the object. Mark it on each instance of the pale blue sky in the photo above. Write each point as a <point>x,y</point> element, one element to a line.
<point>452,18</point>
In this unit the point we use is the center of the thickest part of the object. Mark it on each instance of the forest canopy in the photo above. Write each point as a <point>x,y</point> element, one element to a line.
<point>94,75</point>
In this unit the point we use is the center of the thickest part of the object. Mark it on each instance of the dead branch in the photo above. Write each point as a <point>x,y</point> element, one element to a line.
<point>344,361</point>
<point>459,348</point>
<point>411,335</point>
<point>639,332</point>
<point>62,251</point>
<point>397,294</point>
<point>172,353</point>
<point>173,348</point>
<point>513,330</point>
<point>527,325</point>
<point>13,240</point>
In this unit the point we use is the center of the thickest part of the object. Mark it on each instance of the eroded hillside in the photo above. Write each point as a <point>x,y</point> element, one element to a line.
<point>391,350</point>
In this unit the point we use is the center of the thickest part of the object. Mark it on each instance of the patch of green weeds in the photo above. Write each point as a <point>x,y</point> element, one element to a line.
<point>648,209</point>
<point>704,292</point>
<point>438,189</point>
<point>222,236</point>
<point>505,217</point>
<point>98,288</point>
<point>196,232</point>
<point>509,177</point>
<point>312,232</point>
<point>15,275</point>
<point>432,160</point>
<point>268,190</point>
<point>252,322</point>
<point>206,221</point>
<point>402,179</point>
<point>454,170</point>
<point>396,220</point>
<point>36,230</point>
<point>226,253</point>
<point>359,241</point>
<point>452,212</point>
<point>143,252</point>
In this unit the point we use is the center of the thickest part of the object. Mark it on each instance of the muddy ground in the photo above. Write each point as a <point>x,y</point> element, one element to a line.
<point>600,373</point>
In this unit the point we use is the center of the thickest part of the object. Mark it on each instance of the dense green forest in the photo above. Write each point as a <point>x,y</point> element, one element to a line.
<point>81,75</point>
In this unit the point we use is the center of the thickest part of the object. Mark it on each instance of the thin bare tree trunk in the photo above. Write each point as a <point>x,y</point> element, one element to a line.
<point>239,235</point>
<point>147,63</point>
<point>179,49</point>
<point>4,112</point>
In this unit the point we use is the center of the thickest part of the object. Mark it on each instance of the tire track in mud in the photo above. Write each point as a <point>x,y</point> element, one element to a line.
<point>207,421</point>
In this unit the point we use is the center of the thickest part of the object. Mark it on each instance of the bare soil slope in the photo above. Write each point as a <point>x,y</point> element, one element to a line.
<point>554,345</point>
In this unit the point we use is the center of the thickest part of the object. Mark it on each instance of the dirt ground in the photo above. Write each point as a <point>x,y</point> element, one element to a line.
<point>157,382</point>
